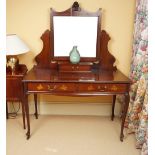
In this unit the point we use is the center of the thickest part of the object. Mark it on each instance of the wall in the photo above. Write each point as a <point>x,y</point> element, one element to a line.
<point>30,18</point>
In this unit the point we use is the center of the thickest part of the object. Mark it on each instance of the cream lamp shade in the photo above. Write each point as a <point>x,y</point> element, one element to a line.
<point>15,46</point>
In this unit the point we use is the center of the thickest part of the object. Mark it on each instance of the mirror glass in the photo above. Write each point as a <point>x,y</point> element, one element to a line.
<point>77,31</point>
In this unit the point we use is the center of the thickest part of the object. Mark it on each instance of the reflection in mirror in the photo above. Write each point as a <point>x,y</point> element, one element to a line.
<point>72,31</point>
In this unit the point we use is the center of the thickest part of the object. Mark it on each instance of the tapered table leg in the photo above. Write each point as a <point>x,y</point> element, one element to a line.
<point>27,110</point>
<point>35,102</point>
<point>124,115</point>
<point>7,116</point>
<point>27,116</point>
<point>113,107</point>
<point>23,114</point>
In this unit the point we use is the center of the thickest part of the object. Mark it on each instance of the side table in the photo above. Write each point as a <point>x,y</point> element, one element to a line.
<point>14,88</point>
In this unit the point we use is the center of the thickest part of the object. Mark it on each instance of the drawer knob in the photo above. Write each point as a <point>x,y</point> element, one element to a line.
<point>51,88</point>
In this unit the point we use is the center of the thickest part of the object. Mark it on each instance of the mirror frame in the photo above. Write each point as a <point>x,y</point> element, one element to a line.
<point>104,59</point>
<point>75,10</point>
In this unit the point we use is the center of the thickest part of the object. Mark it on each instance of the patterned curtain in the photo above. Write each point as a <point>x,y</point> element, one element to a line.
<point>137,116</point>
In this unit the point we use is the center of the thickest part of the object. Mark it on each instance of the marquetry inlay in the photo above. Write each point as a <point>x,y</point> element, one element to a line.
<point>90,87</point>
<point>99,87</point>
<point>39,87</point>
<point>63,87</point>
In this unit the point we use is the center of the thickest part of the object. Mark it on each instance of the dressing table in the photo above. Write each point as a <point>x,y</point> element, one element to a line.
<point>94,75</point>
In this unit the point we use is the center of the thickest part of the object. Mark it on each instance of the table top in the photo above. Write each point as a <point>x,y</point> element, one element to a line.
<point>94,76</point>
<point>20,71</point>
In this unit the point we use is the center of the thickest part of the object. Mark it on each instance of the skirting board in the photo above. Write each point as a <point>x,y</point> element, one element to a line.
<point>61,108</point>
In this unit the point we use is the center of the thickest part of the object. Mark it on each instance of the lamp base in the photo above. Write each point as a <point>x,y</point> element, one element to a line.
<point>12,62</point>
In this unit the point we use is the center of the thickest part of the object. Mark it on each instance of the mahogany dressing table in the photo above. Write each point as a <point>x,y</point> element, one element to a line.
<point>93,76</point>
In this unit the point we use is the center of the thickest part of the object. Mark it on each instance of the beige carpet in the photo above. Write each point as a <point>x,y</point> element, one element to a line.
<point>69,135</point>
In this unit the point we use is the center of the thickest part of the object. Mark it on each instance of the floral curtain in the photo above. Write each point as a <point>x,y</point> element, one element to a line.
<point>137,116</point>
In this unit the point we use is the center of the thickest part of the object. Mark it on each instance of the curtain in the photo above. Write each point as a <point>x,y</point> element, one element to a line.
<point>137,116</point>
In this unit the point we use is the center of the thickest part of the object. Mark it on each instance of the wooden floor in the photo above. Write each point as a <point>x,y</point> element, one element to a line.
<point>68,135</point>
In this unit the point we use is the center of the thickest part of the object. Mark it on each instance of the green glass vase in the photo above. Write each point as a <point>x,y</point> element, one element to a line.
<point>74,55</point>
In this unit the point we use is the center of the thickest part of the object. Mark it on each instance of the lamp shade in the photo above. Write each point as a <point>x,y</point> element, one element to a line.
<point>15,46</point>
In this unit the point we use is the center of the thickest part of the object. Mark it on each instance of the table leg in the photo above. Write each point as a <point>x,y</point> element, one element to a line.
<point>35,102</point>
<point>23,114</point>
<point>124,115</point>
<point>27,116</point>
<point>113,107</point>
<point>7,116</point>
<point>27,111</point>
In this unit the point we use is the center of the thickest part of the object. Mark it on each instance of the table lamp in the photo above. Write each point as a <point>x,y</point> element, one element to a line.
<point>14,46</point>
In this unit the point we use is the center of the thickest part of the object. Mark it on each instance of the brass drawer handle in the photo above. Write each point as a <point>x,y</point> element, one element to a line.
<point>51,88</point>
<point>114,88</point>
<point>102,89</point>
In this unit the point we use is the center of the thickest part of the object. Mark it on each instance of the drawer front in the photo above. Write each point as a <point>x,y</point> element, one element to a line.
<point>74,68</point>
<point>102,88</point>
<point>14,89</point>
<point>52,87</point>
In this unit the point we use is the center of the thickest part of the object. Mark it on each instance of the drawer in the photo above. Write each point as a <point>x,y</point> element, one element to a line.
<point>52,87</point>
<point>102,87</point>
<point>74,68</point>
<point>14,89</point>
